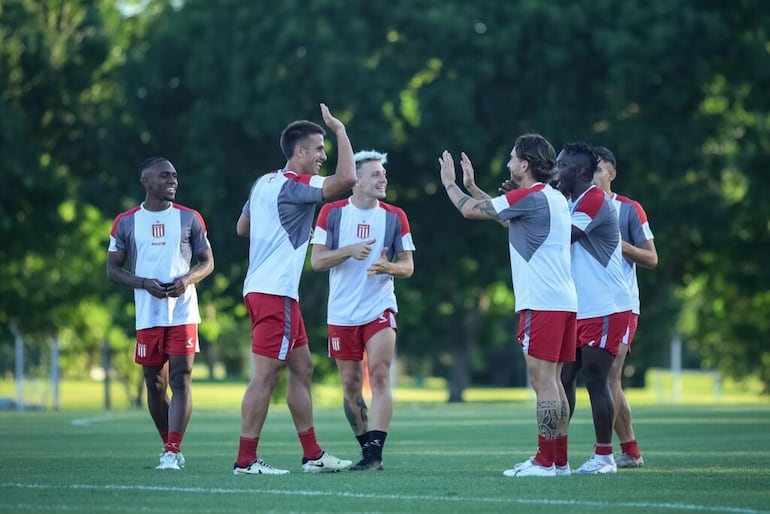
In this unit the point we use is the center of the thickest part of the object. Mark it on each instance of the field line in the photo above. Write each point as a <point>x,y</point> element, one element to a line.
<point>674,507</point>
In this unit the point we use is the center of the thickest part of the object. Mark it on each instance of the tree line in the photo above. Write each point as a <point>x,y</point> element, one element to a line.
<point>676,89</point>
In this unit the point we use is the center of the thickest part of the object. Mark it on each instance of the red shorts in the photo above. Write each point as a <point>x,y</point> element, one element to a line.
<point>277,326</point>
<point>603,331</point>
<point>628,337</point>
<point>348,343</point>
<point>548,335</point>
<point>155,344</point>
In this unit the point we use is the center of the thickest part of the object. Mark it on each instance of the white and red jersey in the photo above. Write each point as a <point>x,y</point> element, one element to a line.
<point>539,244</point>
<point>355,299</point>
<point>635,230</point>
<point>160,245</point>
<point>597,258</point>
<point>280,209</point>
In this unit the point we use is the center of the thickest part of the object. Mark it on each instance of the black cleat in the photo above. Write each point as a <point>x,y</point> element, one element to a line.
<point>367,464</point>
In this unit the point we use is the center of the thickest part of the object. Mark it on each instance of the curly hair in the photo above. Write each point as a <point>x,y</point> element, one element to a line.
<point>539,153</point>
<point>580,148</point>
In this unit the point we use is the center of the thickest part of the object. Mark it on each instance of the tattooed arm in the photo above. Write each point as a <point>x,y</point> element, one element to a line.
<point>469,181</point>
<point>470,208</point>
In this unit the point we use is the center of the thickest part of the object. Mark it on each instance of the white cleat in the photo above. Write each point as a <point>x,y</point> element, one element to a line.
<point>598,465</point>
<point>326,463</point>
<point>625,460</point>
<point>258,467</point>
<point>169,460</point>
<point>530,469</point>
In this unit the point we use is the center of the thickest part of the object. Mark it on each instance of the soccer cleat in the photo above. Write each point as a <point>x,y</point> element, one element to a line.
<point>169,460</point>
<point>598,465</point>
<point>523,464</point>
<point>562,471</point>
<point>368,464</point>
<point>179,458</point>
<point>530,469</point>
<point>326,463</point>
<point>625,460</point>
<point>258,467</point>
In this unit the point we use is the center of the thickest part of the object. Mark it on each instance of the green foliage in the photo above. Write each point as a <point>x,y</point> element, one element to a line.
<point>677,89</point>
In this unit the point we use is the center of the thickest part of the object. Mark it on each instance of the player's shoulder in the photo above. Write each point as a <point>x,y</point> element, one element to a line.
<point>184,208</point>
<point>593,199</point>
<point>336,204</point>
<point>624,199</point>
<point>634,204</point>
<point>516,195</point>
<point>189,213</point>
<point>293,176</point>
<point>127,213</point>
<point>389,207</point>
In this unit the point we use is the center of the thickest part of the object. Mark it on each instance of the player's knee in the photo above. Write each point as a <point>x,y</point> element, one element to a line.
<point>595,379</point>
<point>180,379</point>
<point>351,386</point>
<point>380,379</point>
<point>155,382</point>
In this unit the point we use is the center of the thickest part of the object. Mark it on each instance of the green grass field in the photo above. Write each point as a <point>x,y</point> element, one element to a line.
<point>439,458</point>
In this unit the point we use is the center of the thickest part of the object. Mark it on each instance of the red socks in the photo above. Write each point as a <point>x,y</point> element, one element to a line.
<point>545,451</point>
<point>247,451</point>
<point>560,451</point>
<point>310,448</point>
<point>173,442</point>
<point>631,448</point>
<point>603,448</point>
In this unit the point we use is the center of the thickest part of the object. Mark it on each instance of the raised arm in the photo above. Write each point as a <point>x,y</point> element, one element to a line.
<point>344,177</point>
<point>469,181</point>
<point>469,207</point>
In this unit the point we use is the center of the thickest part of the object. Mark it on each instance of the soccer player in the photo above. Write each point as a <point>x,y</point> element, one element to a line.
<point>604,299</point>
<point>150,251</point>
<point>365,243</point>
<point>539,231</point>
<point>282,205</point>
<point>638,249</point>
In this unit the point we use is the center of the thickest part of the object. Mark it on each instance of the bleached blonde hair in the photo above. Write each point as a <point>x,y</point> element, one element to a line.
<point>369,155</point>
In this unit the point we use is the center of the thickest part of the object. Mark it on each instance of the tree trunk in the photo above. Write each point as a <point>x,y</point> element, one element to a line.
<point>464,339</point>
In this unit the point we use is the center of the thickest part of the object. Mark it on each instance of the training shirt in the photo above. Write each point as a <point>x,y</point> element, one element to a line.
<point>280,208</point>
<point>634,229</point>
<point>539,245</point>
<point>160,245</point>
<point>597,259</point>
<point>355,299</point>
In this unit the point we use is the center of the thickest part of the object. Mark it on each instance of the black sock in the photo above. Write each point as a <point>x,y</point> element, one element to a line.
<point>363,440</point>
<point>376,443</point>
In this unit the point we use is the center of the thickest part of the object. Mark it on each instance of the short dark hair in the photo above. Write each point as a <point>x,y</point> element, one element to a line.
<point>581,148</point>
<point>539,153</point>
<point>604,154</point>
<point>149,163</point>
<point>296,132</point>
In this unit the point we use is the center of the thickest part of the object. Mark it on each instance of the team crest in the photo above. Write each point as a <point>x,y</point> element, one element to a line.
<point>158,230</point>
<point>363,231</point>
